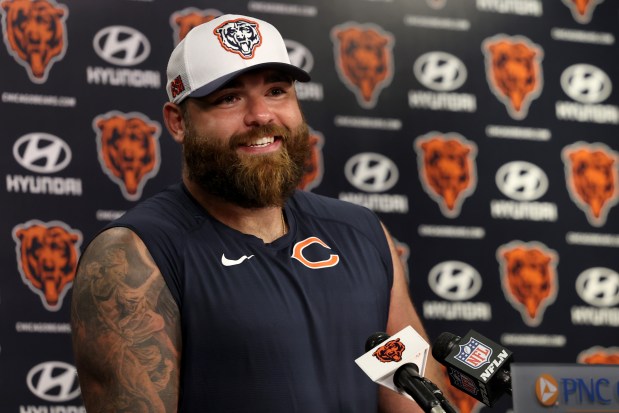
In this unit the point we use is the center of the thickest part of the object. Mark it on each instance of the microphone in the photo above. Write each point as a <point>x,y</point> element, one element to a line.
<point>395,365</point>
<point>427,395</point>
<point>476,365</point>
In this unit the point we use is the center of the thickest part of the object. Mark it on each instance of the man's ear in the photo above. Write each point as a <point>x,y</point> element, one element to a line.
<point>173,118</point>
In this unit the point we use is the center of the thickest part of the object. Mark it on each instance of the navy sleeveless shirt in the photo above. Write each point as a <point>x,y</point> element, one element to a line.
<point>271,327</point>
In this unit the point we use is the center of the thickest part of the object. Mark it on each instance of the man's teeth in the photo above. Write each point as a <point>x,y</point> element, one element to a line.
<point>264,141</point>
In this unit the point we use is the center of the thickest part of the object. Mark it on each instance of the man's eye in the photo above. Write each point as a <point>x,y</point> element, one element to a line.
<point>226,100</point>
<point>277,91</point>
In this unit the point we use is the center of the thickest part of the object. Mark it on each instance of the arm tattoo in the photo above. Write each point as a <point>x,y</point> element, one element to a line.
<point>126,328</point>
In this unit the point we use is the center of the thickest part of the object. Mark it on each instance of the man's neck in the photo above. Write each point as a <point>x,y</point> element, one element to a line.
<point>266,223</point>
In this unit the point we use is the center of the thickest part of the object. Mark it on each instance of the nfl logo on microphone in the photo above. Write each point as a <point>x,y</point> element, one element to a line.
<point>474,353</point>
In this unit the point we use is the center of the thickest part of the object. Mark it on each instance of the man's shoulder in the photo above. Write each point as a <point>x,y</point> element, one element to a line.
<point>307,199</point>
<point>170,206</point>
<point>325,207</point>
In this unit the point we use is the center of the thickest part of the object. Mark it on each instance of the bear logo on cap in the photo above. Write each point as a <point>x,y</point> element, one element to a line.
<point>239,36</point>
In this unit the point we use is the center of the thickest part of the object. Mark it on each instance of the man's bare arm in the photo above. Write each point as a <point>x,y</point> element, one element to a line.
<point>401,314</point>
<point>126,328</point>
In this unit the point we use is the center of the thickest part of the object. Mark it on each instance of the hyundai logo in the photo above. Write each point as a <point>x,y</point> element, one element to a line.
<point>300,55</point>
<point>121,45</point>
<point>440,71</point>
<point>599,287</point>
<point>586,83</point>
<point>454,280</point>
<point>521,181</point>
<point>371,172</point>
<point>42,153</point>
<point>54,381</point>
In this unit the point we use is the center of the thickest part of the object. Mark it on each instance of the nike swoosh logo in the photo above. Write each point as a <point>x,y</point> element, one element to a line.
<point>228,263</point>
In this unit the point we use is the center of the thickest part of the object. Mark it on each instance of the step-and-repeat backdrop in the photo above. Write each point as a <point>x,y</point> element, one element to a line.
<point>483,133</point>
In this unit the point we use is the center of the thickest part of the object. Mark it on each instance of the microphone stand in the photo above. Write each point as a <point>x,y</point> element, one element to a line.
<point>408,379</point>
<point>439,395</point>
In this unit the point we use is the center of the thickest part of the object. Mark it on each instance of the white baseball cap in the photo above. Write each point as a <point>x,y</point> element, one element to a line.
<point>214,52</point>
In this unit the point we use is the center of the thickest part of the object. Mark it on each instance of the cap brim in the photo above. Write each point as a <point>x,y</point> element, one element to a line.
<point>296,72</point>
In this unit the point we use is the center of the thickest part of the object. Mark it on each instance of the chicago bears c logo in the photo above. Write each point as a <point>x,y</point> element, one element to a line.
<point>313,167</point>
<point>183,21</point>
<point>239,36</point>
<point>35,34</point>
<point>47,256</point>
<point>514,72</point>
<point>582,10</point>
<point>392,350</point>
<point>447,169</point>
<point>297,253</point>
<point>591,173</point>
<point>128,147</point>
<point>529,278</point>
<point>364,60</point>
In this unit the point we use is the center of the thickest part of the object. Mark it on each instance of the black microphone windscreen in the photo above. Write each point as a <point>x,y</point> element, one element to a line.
<point>443,345</point>
<point>375,339</point>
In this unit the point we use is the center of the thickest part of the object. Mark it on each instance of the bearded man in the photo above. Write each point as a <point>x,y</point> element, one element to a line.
<point>268,293</point>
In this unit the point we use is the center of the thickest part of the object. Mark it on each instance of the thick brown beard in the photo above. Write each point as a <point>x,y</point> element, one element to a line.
<point>250,181</point>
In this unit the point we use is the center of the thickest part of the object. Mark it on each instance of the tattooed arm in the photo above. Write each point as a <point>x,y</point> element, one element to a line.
<point>126,328</point>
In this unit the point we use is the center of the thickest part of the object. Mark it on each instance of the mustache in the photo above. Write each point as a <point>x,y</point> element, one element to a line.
<point>264,130</point>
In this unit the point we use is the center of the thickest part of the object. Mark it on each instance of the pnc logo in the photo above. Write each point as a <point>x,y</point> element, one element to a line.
<point>35,33</point>
<point>298,254</point>
<point>183,21</point>
<point>592,178</point>
<point>521,181</point>
<point>440,71</point>
<point>586,83</point>
<point>599,287</point>
<point>392,350</point>
<point>121,45</point>
<point>582,10</point>
<point>447,169</point>
<point>514,72</point>
<point>300,55</point>
<point>528,278</point>
<point>53,381</point>
<point>455,280</point>
<point>128,145</point>
<point>546,390</point>
<point>363,59</point>
<point>42,153</point>
<point>371,172</point>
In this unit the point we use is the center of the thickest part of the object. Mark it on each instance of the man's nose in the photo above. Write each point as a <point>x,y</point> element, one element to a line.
<point>258,112</point>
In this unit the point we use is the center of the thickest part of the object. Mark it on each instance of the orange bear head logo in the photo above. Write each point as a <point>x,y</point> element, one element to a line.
<point>582,10</point>
<point>591,172</point>
<point>392,350</point>
<point>313,167</point>
<point>47,256</point>
<point>514,72</point>
<point>447,169</point>
<point>528,278</point>
<point>35,34</point>
<point>364,60</point>
<point>183,21</point>
<point>599,355</point>
<point>128,150</point>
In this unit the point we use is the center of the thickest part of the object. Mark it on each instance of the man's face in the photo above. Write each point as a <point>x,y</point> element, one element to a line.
<point>247,142</point>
